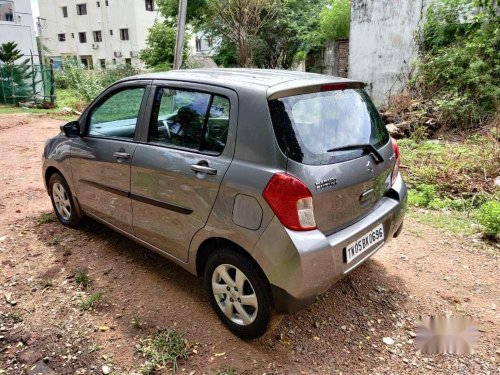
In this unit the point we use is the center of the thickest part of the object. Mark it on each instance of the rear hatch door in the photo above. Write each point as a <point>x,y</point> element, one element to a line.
<point>339,147</point>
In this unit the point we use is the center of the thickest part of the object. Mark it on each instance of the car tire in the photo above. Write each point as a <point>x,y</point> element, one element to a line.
<point>62,202</point>
<point>248,312</point>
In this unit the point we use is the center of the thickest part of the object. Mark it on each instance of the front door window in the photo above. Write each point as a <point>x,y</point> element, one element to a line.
<point>116,117</point>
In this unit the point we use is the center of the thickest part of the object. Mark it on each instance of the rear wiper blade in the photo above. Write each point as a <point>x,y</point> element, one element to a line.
<point>368,147</point>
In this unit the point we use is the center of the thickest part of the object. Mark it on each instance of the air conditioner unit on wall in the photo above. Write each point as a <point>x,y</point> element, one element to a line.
<point>95,45</point>
<point>118,54</point>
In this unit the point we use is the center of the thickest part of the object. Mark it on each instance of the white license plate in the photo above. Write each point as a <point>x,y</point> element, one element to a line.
<point>365,243</point>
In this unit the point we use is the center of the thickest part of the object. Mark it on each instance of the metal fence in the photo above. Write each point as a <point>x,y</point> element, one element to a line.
<point>26,82</point>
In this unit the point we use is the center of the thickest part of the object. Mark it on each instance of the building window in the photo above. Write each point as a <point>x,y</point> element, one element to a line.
<point>98,3</point>
<point>102,62</point>
<point>210,42</point>
<point>124,34</point>
<point>128,62</point>
<point>85,62</point>
<point>111,32</point>
<point>81,9</point>
<point>82,37</point>
<point>65,12</point>
<point>107,2</point>
<point>6,11</point>
<point>150,5</point>
<point>97,36</point>
<point>198,44</point>
<point>61,37</point>
<point>73,35</point>
<point>114,61</point>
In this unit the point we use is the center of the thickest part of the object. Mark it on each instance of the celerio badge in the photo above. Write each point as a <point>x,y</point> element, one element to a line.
<point>326,183</point>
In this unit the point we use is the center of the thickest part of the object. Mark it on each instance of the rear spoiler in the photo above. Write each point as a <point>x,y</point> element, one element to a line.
<point>309,89</point>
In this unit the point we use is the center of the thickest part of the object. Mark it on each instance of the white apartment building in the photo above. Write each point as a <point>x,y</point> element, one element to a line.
<point>203,44</point>
<point>98,33</point>
<point>17,25</point>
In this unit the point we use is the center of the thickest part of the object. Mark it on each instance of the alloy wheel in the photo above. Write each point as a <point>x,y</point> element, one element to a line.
<point>61,201</point>
<point>234,294</point>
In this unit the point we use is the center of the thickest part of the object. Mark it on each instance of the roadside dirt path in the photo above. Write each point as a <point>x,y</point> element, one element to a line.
<point>425,271</point>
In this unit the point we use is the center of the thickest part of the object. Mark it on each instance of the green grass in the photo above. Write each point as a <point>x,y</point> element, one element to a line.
<point>460,168</point>
<point>450,221</point>
<point>64,98</point>
<point>53,113</point>
<point>82,278</point>
<point>91,302</point>
<point>54,240</point>
<point>67,98</point>
<point>226,371</point>
<point>453,181</point>
<point>163,350</point>
<point>46,218</point>
<point>137,322</point>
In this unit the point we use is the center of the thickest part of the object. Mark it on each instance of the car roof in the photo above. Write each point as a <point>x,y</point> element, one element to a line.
<point>267,80</point>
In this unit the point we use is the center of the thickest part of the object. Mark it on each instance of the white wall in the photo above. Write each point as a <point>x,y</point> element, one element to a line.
<point>382,49</point>
<point>120,14</point>
<point>22,30</point>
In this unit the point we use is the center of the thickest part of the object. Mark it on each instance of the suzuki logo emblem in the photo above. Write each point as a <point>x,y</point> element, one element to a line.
<point>369,166</point>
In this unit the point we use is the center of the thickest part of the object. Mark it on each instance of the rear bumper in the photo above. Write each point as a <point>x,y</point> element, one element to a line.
<point>301,265</point>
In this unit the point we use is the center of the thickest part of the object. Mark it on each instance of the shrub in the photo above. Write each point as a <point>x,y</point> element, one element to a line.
<point>423,195</point>
<point>87,84</point>
<point>489,218</point>
<point>335,20</point>
<point>458,70</point>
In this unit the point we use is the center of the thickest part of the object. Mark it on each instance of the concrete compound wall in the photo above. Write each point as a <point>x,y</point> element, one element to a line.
<point>382,47</point>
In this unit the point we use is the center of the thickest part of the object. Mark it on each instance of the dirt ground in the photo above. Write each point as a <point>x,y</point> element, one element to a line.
<point>424,271</point>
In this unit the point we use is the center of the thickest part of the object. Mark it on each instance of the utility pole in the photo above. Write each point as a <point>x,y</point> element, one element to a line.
<point>181,30</point>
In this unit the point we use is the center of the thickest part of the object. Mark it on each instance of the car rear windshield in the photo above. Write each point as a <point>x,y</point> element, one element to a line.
<point>308,126</point>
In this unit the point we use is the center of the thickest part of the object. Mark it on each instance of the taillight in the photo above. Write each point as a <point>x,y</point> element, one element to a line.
<point>291,201</point>
<point>395,171</point>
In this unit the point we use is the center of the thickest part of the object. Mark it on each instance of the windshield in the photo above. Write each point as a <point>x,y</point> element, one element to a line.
<point>308,126</point>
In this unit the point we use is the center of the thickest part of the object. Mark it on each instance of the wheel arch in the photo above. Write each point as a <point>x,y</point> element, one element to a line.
<point>210,245</point>
<point>48,174</point>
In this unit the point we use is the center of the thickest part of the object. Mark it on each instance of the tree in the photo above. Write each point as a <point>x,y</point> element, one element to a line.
<point>13,77</point>
<point>227,54</point>
<point>335,20</point>
<point>170,8</point>
<point>239,21</point>
<point>9,53</point>
<point>293,33</point>
<point>159,54</point>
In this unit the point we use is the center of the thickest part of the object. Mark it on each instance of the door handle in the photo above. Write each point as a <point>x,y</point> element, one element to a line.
<point>121,155</point>
<point>204,169</point>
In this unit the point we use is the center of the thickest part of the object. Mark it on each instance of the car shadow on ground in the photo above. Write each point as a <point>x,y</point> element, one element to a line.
<point>355,313</point>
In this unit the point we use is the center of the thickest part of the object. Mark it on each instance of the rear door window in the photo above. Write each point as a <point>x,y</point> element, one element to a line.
<point>309,125</point>
<point>190,120</point>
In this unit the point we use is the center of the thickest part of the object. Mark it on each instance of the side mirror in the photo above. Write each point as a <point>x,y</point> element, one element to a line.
<point>71,129</point>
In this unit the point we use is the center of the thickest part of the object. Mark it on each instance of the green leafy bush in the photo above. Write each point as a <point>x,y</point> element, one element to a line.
<point>489,218</point>
<point>86,84</point>
<point>335,20</point>
<point>422,196</point>
<point>459,67</point>
<point>159,54</point>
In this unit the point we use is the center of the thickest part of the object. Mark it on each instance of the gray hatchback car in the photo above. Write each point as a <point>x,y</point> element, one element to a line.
<point>271,185</point>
